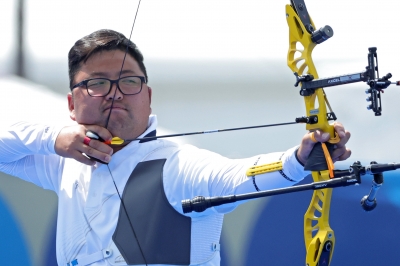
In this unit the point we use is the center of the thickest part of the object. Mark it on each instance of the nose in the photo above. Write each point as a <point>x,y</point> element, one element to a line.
<point>115,92</point>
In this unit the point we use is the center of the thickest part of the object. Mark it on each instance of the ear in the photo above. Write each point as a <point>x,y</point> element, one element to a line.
<point>71,106</point>
<point>150,92</point>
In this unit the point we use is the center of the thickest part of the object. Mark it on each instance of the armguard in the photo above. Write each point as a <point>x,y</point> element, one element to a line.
<point>264,168</point>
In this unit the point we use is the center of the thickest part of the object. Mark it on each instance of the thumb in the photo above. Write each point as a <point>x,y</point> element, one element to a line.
<point>308,142</point>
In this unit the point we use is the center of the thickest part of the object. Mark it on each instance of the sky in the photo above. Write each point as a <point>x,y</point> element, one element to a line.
<point>206,29</point>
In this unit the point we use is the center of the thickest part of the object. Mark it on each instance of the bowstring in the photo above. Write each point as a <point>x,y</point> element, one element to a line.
<point>106,126</point>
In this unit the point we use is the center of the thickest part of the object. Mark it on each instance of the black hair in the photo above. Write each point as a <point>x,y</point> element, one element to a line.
<point>101,40</point>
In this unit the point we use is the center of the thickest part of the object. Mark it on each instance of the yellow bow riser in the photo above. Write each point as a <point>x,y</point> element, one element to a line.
<point>319,237</point>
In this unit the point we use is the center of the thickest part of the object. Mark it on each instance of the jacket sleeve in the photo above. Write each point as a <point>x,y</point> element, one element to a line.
<point>191,172</point>
<point>27,152</point>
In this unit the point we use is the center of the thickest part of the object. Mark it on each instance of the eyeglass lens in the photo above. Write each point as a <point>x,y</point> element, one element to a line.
<point>101,87</point>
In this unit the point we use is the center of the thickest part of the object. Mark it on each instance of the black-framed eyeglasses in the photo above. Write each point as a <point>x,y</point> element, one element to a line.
<point>100,87</point>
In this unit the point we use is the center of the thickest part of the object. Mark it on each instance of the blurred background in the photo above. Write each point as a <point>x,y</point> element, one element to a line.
<point>213,65</point>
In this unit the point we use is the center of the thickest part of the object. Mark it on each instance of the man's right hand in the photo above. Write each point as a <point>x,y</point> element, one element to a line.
<point>70,144</point>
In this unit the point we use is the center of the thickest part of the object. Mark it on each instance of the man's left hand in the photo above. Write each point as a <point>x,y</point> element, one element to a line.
<point>340,152</point>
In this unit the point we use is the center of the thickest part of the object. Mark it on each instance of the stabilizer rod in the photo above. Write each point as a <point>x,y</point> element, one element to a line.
<point>200,203</point>
<point>342,178</point>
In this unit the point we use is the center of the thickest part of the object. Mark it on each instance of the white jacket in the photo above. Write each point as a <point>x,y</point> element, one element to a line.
<point>88,204</point>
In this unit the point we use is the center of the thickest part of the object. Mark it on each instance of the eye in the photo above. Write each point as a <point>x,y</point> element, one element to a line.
<point>130,81</point>
<point>97,83</point>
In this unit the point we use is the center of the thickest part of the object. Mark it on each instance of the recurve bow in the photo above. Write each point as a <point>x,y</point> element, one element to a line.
<point>318,236</point>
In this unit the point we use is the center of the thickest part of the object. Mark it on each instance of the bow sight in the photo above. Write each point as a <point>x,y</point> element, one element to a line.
<point>370,76</point>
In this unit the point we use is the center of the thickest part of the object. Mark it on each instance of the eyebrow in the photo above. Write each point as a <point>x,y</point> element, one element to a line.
<point>106,74</point>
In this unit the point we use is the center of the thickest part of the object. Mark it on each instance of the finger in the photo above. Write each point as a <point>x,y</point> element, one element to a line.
<point>345,155</point>
<point>68,141</point>
<point>320,136</point>
<point>99,131</point>
<point>96,149</point>
<point>100,146</point>
<point>82,158</point>
<point>341,154</point>
<point>343,140</point>
<point>93,153</point>
<point>307,144</point>
<point>339,129</point>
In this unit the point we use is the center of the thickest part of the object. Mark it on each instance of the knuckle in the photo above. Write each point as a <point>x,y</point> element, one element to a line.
<point>90,151</point>
<point>95,144</point>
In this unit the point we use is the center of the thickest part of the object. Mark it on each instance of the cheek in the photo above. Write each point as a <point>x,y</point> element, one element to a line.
<point>140,104</point>
<point>146,109</point>
<point>87,113</point>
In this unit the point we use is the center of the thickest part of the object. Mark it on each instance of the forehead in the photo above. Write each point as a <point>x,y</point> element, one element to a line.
<point>108,64</point>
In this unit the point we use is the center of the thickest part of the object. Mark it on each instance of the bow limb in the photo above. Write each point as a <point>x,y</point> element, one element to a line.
<point>319,237</point>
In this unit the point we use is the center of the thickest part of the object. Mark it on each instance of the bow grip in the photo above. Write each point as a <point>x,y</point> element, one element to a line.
<point>317,160</point>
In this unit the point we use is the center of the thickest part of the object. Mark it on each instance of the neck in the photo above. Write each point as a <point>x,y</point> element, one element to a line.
<point>117,148</point>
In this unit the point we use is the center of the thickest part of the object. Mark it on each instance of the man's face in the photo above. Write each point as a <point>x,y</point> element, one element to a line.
<point>129,114</point>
